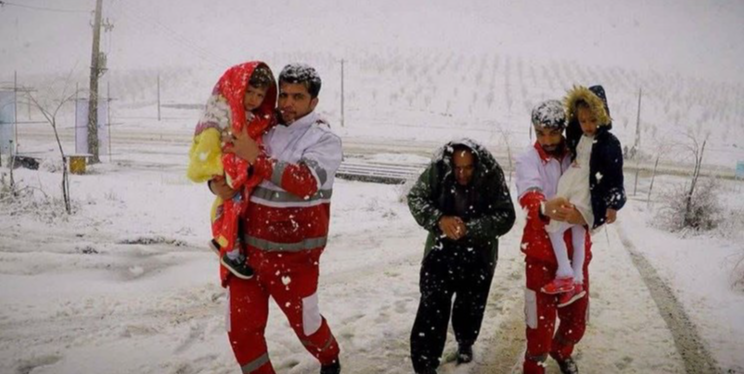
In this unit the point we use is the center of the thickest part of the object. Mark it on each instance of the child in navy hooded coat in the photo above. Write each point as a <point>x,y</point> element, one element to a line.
<point>593,185</point>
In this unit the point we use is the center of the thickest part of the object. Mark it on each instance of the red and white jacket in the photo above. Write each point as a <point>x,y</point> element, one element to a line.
<point>537,177</point>
<point>290,208</point>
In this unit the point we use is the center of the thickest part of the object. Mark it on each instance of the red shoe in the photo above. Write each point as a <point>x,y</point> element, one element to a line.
<point>558,285</point>
<point>567,298</point>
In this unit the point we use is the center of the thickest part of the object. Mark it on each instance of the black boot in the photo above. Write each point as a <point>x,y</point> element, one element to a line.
<point>238,266</point>
<point>568,366</point>
<point>465,354</point>
<point>215,246</point>
<point>332,368</point>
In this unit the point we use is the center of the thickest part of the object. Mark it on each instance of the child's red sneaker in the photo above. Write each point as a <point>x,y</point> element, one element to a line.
<point>558,285</point>
<point>569,297</point>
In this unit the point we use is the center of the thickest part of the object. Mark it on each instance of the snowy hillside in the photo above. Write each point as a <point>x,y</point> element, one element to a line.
<point>431,73</point>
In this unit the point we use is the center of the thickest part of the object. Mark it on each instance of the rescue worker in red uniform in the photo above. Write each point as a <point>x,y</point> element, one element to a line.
<point>286,226</point>
<point>537,173</point>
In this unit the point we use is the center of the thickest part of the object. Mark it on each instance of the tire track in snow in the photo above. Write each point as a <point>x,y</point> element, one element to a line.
<point>690,346</point>
<point>506,346</point>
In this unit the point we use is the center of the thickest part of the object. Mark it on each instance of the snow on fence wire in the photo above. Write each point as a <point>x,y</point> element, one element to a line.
<point>378,172</point>
<point>389,173</point>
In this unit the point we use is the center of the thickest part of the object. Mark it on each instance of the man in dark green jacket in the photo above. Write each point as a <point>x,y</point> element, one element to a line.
<point>464,203</point>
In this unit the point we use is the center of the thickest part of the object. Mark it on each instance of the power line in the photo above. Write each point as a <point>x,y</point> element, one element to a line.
<point>3,3</point>
<point>185,43</point>
<point>177,42</point>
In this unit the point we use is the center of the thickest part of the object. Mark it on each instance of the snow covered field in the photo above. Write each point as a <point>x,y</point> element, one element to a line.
<point>473,68</point>
<point>127,285</point>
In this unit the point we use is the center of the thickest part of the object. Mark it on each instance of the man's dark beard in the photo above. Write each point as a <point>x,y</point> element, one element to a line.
<point>557,151</point>
<point>550,149</point>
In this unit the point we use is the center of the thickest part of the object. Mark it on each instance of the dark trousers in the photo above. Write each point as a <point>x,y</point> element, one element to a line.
<point>448,271</point>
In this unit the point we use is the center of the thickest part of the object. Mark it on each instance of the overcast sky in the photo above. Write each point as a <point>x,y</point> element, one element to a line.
<point>694,37</point>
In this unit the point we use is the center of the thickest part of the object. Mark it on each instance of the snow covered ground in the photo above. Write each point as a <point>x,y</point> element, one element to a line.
<point>704,271</point>
<point>126,284</point>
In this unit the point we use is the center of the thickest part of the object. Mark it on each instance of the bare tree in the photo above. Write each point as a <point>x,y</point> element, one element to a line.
<point>11,187</point>
<point>663,148</point>
<point>49,109</point>
<point>654,173</point>
<point>695,204</point>
<point>698,153</point>
<point>506,138</point>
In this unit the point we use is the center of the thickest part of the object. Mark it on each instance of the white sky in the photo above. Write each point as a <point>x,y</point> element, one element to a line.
<point>696,38</point>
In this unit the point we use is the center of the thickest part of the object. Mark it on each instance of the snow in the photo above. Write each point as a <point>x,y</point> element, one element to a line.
<point>286,280</point>
<point>398,158</point>
<point>415,81</point>
<point>298,72</point>
<point>549,114</point>
<point>79,294</point>
<point>702,270</point>
<point>127,283</point>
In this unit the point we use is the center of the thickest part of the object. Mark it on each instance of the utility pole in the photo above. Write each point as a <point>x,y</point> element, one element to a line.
<point>77,91</point>
<point>158,96</point>
<point>342,92</point>
<point>638,119</point>
<point>93,101</point>
<point>108,115</point>
<point>15,109</point>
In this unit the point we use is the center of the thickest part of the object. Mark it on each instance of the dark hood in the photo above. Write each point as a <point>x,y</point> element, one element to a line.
<point>485,162</point>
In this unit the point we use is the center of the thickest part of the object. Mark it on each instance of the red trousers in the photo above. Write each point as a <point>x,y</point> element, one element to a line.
<point>541,315</point>
<point>291,279</point>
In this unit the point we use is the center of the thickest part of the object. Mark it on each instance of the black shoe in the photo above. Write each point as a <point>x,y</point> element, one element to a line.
<point>568,366</point>
<point>238,266</point>
<point>427,371</point>
<point>333,368</point>
<point>214,246</point>
<point>465,354</point>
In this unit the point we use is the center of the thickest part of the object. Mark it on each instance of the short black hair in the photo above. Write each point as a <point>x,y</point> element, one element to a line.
<point>303,74</point>
<point>464,148</point>
<point>261,78</point>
